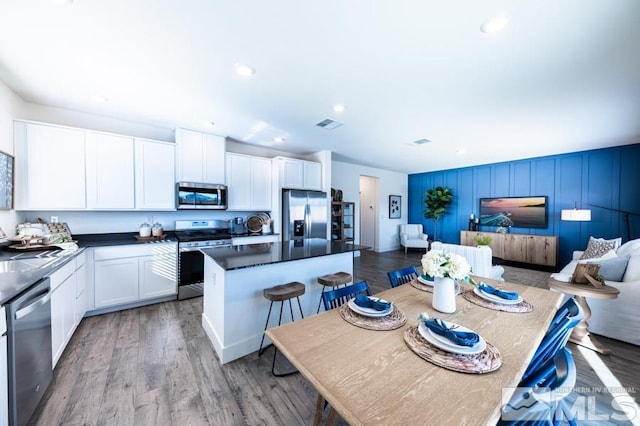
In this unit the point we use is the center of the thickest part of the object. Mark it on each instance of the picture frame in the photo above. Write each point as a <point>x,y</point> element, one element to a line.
<point>7,165</point>
<point>586,273</point>
<point>395,206</point>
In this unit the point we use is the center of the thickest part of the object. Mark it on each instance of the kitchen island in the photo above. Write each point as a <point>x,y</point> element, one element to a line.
<point>234,309</point>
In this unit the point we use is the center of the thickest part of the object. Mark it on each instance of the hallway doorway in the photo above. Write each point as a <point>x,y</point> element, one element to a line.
<point>369,211</point>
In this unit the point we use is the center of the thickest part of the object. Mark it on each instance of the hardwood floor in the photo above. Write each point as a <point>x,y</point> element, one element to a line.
<point>155,366</point>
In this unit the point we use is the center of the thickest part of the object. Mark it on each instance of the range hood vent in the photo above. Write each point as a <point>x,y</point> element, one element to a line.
<point>329,124</point>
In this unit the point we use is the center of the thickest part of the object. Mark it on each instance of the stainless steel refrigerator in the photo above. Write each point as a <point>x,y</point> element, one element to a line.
<point>304,214</point>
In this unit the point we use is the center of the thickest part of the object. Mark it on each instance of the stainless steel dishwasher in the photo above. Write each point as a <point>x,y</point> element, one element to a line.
<point>29,350</point>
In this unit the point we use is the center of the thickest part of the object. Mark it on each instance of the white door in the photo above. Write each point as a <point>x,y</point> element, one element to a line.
<point>368,211</point>
<point>116,281</point>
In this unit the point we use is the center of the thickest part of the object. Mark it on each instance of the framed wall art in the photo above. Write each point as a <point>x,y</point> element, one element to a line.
<point>394,206</point>
<point>6,181</point>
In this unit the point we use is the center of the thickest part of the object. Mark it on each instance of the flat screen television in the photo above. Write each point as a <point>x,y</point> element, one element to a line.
<point>519,212</point>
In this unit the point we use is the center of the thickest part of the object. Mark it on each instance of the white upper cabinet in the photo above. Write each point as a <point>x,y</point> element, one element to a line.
<point>110,171</point>
<point>200,157</point>
<point>299,174</point>
<point>248,182</point>
<point>50,167</point>
<point>62,168</point>
<point>312,175</point>
<point>155,175</point>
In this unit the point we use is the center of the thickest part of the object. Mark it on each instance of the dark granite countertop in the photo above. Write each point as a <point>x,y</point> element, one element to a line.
<point>230,258</point>
<point>26,271</point>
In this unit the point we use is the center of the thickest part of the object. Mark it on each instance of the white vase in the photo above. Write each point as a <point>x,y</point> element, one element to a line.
<point>444,295</point>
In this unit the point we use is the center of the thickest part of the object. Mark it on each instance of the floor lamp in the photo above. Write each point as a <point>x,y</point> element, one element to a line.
<point>626,217</point>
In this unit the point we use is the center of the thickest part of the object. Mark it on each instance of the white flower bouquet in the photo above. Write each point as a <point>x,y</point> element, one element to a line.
<point>439,264</point>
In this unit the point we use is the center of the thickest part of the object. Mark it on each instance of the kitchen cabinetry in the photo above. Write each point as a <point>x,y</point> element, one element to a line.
<point>61,168</point>
<point>133,273</point>
<point>50,167</point>
<point>342,221</point>
<point>64,318</point>
<point>109,171</point>
<point>524,248</point>
<point>200,157</point>
<point>248,182</point>
<point>155,175</point>
<point>299,174</point>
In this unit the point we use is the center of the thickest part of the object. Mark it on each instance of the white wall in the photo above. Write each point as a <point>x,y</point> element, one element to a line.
<point>10,106</point>
<point>346,177</point>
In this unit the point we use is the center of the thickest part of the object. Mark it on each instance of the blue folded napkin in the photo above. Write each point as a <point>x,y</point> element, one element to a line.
<point>460,338</point>
<point>509,295</point>
<point>373,303</point>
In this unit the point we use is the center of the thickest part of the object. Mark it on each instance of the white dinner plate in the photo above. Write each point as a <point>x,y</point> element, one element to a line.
<point>368,312</point>
<point>425,281</point>
<point>447,345</point>
<point>496,299</point>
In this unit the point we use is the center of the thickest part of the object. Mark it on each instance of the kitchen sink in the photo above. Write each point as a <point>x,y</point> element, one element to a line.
<point>21,265</point>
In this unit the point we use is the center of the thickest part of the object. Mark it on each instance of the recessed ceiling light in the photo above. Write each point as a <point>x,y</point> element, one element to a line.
<point>339,108</point>
<point>245,70</point>
<point>461,151</point>
<point>98,98</point>
<point>278,140</point>
<point>495,23</point>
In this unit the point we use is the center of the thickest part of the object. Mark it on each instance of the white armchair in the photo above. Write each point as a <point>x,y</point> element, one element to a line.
<point>479,259</point>
<point>411,236</point>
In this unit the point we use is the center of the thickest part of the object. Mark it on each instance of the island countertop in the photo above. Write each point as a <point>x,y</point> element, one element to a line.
<point>247,256</point>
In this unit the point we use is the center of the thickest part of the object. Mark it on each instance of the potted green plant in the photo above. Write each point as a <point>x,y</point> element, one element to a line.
<point>482,240</point>
<point>437,201</point>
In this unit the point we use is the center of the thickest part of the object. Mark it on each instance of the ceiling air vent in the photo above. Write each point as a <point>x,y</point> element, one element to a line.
<point>420,142</point>
<point>329,124</point>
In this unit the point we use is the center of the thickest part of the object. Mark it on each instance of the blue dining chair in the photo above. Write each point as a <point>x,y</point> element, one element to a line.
<point>339,296</point>
<point>540,400</point>
<point>557,336</point>
<point>402,276</point>
<point>551,368</point>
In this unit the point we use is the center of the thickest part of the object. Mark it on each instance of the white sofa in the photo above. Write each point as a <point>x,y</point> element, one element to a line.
<point>618,318</point>
<point>478,257</point>
<point>411,236</point>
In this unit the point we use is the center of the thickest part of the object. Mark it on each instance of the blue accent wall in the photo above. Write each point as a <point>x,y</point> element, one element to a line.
<point>598,180</point>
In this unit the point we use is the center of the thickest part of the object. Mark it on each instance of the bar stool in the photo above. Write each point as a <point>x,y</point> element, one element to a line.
<point>333,280</point>
<point>281,293</point>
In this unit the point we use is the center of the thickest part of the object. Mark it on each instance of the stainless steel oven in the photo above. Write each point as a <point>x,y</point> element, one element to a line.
<point>200,196</point>
<point>193,235</point>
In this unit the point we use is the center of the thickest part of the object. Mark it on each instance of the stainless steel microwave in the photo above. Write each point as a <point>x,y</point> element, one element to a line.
<point>200,196</point>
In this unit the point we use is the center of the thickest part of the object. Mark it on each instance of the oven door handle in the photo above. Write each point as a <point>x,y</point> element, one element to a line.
<point>189,249</point>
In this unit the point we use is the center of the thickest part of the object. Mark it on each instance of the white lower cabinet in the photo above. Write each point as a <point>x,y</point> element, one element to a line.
<point>116,281</point>
<point>132,273</point>
<point>64,311</point>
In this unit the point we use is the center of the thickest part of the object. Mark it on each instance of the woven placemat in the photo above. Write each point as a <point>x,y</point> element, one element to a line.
<point>522,307</point>
<point>395,319</point>
<point>485,362</point>
<point>420,286</point>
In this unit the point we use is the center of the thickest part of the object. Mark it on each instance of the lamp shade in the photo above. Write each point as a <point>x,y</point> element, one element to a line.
<point>576,215</point>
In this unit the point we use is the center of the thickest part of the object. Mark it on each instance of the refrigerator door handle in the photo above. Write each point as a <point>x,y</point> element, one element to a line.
<point>307,220</point>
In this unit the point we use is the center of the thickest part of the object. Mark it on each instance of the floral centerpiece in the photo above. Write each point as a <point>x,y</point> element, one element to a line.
<point>438,264</point>
<point>445,268</point>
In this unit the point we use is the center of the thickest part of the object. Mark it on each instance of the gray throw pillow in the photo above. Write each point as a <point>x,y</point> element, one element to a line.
<point>612,269</point>
<point>597,247</point>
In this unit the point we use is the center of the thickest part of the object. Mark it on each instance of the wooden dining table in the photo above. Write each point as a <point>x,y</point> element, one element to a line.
<point>372,377</point>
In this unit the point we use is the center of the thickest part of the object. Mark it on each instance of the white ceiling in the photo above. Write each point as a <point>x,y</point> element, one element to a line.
<point>563,76</point>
